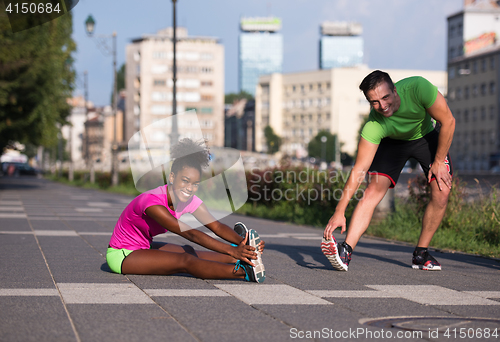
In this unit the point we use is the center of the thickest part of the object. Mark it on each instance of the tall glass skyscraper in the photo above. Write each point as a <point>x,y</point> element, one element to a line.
<point>341,45</point>
<point>260,50</point>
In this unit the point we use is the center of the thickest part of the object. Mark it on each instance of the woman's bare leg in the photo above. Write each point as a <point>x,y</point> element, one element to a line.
<point>159,262</point>
<point>205,255</point>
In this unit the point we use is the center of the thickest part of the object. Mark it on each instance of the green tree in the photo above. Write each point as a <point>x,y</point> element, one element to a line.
<point>120,82</point>
<point>318,149</point>
<point>231,97</point>
<point>273,141</point>
<point>36,79</point>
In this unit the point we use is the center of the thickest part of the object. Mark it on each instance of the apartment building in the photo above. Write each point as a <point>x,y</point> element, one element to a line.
<point>473,78</point>
<point>200,83</point>
<point>298,105</point>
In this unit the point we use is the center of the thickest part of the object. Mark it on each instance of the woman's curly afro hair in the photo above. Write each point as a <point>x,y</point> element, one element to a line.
<point>189,153</point>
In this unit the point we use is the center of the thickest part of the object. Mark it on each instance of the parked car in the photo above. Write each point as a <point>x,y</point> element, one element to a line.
<point>18,169</point>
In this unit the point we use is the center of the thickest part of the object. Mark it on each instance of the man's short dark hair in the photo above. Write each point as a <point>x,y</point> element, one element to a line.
<point>376,77</point>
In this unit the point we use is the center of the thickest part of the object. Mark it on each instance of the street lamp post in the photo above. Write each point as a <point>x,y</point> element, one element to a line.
<point>174,135</point>
<point>90,24</point>
<point>323,148</point>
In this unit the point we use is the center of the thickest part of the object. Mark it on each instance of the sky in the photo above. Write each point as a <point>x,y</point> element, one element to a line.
<point>398,34</point>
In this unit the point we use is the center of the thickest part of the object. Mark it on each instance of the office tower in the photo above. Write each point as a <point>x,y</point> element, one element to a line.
<point>340,45</point>
<point>260,50</point>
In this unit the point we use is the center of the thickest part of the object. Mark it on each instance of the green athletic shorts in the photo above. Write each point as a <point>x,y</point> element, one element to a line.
<point>115,257</point>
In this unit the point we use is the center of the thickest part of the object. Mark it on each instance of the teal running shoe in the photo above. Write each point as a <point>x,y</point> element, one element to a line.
<point>250,274</point>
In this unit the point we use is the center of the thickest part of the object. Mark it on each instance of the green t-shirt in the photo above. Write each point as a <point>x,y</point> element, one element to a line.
<point>410,121</point>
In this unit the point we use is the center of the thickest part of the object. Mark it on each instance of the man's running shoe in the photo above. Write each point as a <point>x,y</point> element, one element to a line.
<point>339,254</point>
<point>250,272</point>
<point>241,229</point>
<point>425,261</point>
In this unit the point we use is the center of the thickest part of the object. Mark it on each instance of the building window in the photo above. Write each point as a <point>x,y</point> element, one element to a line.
<point>451,72</point>
<point>210,98</point>
<point>206,56</point>
<point>319,86</point>
<point>492,88</point>
<point>207,70</point>
<point>452,52</point>
<point>158,96</point>
<point>206,110</point>
<point>451,31</point>
<point>160,110</point>
<point>466,92</point>
<point>475,90</point>
<point>474,67</point>
<point>466,115</point>
<point>492,113</point>
<point>159,55</point>
<point>293,89</point>
<point>483,89</point>
<point>311,86</point>
<point>458,115</point>
<point>483,113</point>
<point>451,94</point>
<point>157,82</point>
<point>190,108</point>
<point>206,83</point>
<point>208,136</point>
<point>206,124</point>
<point>492,62</point>
<point>474,114</point>
<point>459,93</point>
<point>483,65</point>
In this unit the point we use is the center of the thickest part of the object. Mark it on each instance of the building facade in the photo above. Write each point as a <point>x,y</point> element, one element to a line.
<point>260,51</point>
<point>473,78</point>
<point>340,45</point>
<point>200,83</point>
<point>239,125</point>
<point>299,105</point>
<point>74,133</point>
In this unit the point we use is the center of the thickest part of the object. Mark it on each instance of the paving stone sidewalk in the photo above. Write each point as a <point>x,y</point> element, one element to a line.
<point>55,284</point>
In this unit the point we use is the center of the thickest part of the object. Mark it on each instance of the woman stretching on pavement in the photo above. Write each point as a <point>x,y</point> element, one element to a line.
<point>132,250</point>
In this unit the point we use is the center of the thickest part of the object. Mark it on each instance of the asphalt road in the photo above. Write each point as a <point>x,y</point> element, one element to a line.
<point>56,286</point>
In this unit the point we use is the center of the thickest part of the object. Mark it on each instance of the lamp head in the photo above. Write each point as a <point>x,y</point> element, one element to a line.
<point>89,25</point>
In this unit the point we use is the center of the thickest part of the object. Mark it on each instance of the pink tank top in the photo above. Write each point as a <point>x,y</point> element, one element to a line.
<point>135,230</point>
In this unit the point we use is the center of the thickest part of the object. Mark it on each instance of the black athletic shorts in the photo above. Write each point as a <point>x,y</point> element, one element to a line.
<point>393,154</point>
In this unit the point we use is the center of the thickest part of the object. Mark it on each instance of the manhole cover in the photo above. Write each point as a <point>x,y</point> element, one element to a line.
<point>434,327</point>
